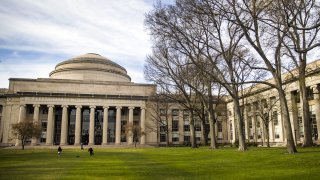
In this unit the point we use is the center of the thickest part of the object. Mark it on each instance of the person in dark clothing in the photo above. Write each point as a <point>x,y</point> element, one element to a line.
<point>59,150</point>
<point>90,151</point>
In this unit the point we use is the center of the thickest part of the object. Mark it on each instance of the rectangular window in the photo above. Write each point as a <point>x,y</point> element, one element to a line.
<point>163,128</point>
<point>314,127</point>
<point>163,137</point>
<point>297,96</point>
<point>1,107</point>
<point>231,132</point>
<point>310,94</point>
<point>123,131</point>
<point>250,122</point>
<point>198,139</point>
<point>219,125</point>
<point>276,133</point>
<point>175,137</point>
<point>44,125</point>
<point>43,137</point>
<point>186,127</point>
<point>175,125</point>
<point>300,126</point>
<point>275,118</point>
<point>186,139</point>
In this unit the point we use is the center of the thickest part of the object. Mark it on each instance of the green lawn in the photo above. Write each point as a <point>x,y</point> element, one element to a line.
<point>160,163</point>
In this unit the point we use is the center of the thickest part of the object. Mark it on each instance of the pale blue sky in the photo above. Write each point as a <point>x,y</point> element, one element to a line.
<point>35,35</point>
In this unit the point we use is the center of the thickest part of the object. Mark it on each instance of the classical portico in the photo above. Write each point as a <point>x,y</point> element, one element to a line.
<point>111,125</point>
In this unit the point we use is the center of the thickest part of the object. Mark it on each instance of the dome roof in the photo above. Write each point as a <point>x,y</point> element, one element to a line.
<point>93,67</point>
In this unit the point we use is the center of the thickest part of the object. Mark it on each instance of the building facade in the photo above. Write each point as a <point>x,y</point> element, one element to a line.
<point>262,101</point>
<point>88,99</point>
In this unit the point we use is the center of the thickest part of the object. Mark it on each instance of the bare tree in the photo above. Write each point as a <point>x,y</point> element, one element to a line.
<point>164,67</point>
<point>25,130</point>
<point>134,131</point>
<point>302,18</point>
<point>205,108</point>
<point>265,110</point>
<point>159,105</point>
<point>199,31</point>
<point>265,35</point>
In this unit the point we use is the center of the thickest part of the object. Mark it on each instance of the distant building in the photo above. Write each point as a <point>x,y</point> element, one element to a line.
<point>84,92</point>
<point>73,105</point>
<point>261,97</point>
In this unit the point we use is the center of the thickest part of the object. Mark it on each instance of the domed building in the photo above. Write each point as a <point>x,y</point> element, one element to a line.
<point>91,100</point>
<point>90,67</point>
<point>88,99</point>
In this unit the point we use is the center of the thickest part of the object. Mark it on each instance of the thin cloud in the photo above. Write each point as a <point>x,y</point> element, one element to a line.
<point>66,29</point>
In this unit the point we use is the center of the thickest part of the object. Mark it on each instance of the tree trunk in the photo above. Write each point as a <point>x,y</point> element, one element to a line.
<point>242,144</point>
<point>22,144</point>
<point>307,139</point>
<point>291,148</point>
<point>204,133</point>
<point>213,141</point>
<point>167,134</point>
<point>267,136</point>
<point>192,131</point>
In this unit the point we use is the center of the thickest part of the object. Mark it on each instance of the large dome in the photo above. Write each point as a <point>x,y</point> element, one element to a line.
<point>92,67</point>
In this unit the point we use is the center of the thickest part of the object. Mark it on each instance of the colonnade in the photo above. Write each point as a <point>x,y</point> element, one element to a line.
<point>77,141</point>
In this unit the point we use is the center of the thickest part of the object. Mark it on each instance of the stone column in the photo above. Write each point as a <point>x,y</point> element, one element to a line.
<point>36,107</point>
<point>5,124</point>
<point>22,117</point>
<point>169,114</point>
<point>50,126</point>
<point>246,126</point>
<point>2,122</point>
<point>143,125</point>
<point>234,129</point>
<point>91,125</point>
<point>181,127</point>
<point>281,128</point>
<point>78,126</point>
<point>130,125</point>
<point>271,127</point>
<point>254,126</point>
<point>64,125</point>
<point>118,125</point>
<point>316,92</point>
<point>105,125</point>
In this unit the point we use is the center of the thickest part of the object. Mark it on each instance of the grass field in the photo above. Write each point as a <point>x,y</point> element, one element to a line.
<point>160,163</point>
